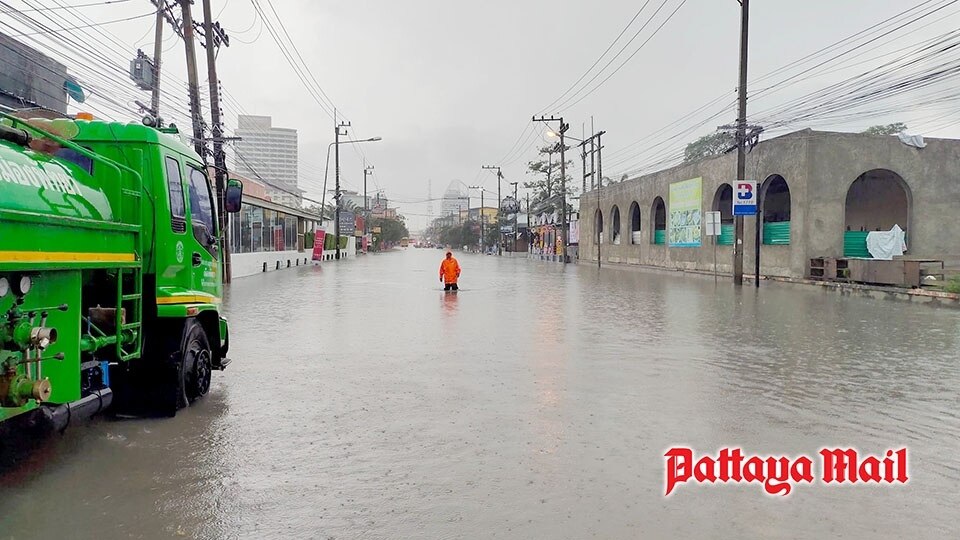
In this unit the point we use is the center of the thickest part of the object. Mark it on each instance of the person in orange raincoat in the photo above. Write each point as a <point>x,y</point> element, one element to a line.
<point>449,272</point>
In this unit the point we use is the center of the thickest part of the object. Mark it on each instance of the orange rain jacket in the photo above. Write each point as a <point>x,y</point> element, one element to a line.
<point>449,270</point>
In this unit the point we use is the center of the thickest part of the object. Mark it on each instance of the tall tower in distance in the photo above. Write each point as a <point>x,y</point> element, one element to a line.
<point>430,198</point>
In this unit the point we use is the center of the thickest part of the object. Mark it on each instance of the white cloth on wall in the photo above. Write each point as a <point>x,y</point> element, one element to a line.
<point>885,245</point>
<point>911,140</point>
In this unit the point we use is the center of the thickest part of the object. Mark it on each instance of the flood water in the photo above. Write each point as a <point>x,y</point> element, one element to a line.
<point>537,403</point>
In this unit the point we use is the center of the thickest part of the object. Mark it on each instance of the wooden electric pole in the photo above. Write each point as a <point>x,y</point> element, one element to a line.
<point>192,84</point>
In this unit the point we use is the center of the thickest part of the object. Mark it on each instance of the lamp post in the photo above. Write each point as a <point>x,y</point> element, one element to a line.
<point>563,180</point>
<point>337,142</point>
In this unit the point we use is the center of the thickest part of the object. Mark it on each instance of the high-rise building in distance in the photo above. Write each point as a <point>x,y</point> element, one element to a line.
<point>269,154</point>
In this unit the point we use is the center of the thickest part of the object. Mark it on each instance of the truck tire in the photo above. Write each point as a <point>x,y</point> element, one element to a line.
<point>197,361</point>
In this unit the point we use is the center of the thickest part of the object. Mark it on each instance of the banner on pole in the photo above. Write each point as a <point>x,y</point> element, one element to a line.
<point>745,199</point>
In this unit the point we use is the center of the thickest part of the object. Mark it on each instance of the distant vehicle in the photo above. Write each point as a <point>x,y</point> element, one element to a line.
<point>404,242</point>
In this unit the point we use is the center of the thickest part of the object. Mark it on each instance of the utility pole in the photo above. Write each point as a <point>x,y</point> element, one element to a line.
<point>596,180</point>
<point>336,140</point>
<point>366,171</point>
<point>563,180</point>
<point>741,143</point>
<point>188,42</point>
<point>513,234</point>
<point>499,204</point>
<point>529,226</point>
<point>157,51</point>
<point>213,37</point>
<point>164,12</point>
<point>483,248</point>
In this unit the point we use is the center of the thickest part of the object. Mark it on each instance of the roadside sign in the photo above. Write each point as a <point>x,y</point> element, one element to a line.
<point>318,237</point>
<point>745,199</point>
<point>713,223</point>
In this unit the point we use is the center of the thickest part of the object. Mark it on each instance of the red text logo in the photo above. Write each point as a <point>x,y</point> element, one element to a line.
<point>779,474</point>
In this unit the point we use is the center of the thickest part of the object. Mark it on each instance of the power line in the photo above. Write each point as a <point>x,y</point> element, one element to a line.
<point>150,14</point>
<point>103,3</point>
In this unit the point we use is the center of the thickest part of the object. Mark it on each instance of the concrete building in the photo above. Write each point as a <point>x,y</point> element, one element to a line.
<point>819,192</point>
<point>270,153</point>
<point>489,214</point>
<point>30,79</point>
<point>454,199</point>
<point>265,235</point>
<point>350,198</point>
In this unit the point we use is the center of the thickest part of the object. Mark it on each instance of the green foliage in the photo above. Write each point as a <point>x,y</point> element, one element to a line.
<point>715,144</point>
<point>466,234</point>
<point>391,230</point>
<point>889,129</point>
<point>308,239</point>
<point>546,174</point>
<point>953,285</point>
<point>329,242</point>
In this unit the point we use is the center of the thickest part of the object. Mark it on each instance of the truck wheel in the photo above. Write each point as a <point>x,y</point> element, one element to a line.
<point>197,361</point>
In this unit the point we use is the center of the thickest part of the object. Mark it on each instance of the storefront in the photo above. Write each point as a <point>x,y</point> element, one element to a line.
<point>267,236</point>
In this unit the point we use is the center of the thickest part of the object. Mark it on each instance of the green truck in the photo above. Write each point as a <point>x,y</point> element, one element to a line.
<point>110,271</point>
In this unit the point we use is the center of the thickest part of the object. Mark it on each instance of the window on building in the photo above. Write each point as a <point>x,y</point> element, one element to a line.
<point>256,230</point>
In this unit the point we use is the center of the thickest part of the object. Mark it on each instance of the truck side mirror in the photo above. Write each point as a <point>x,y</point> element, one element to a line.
<point>233,196</point>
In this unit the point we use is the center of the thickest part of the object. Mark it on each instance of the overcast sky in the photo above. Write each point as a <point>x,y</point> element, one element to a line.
<point>451,85</point>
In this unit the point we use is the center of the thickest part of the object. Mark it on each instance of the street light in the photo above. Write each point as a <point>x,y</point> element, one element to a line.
<point>326,169</point>
<point>564,127</point>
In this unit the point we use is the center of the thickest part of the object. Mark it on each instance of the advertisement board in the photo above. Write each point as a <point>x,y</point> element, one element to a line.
<point>348,223</point>
<point>685,214</point>
<point>319,236</point>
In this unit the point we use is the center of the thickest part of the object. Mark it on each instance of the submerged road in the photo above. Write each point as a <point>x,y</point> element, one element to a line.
<point>537,403</point>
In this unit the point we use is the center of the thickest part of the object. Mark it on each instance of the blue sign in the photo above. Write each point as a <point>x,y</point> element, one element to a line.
<point>745,199</point>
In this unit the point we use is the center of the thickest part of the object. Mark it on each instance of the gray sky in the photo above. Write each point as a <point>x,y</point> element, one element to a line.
<point>451,85</point>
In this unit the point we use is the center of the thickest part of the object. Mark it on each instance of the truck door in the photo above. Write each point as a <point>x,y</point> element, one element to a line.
<point>205,247</point>
<point>173,253</point>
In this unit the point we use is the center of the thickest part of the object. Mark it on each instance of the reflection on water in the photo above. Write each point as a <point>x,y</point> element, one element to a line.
<point>535,403</point>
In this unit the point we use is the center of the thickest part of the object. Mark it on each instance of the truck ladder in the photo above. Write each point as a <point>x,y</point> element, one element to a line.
<point>129,301</point>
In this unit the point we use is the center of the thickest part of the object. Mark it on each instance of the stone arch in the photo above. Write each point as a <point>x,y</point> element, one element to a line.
<point>658,216</point>
<point>723,203</point>
<point>615,225</point>
<point>876,201</point>
<point>598,225</point>
<point>775,204</point>
<point>635,223</point>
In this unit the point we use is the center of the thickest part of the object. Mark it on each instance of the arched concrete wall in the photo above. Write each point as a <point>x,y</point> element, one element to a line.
<point>819,168</point>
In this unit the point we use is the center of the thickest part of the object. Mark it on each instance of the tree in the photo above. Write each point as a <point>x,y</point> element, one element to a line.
<point>546,173</point>
<point>391,231</point>
<point>715,144</point>
<point>889,129</point>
